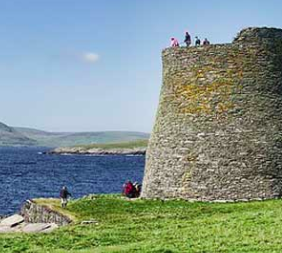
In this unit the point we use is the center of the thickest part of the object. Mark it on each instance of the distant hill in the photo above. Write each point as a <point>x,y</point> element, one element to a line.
<point>42,138</point>
<point>11,137</point>
<point>22,136</point>
<point>65,139</point>
<point>86,138</point>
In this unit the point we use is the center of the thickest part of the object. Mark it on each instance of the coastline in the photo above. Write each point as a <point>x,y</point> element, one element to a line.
<point>137,147</point>
<point>97,151</point>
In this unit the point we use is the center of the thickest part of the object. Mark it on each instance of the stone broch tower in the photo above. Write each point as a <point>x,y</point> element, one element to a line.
<point>218,130</point>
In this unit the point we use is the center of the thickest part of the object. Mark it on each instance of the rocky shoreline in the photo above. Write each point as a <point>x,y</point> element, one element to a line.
<point>97,151</point>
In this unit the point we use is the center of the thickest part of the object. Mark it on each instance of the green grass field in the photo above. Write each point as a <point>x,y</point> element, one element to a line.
<point>158,226</point>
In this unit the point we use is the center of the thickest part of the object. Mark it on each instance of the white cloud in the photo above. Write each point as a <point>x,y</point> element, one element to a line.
<point>90,57</point>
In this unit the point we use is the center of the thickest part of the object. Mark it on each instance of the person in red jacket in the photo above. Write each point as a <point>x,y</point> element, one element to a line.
<point>129,189</point>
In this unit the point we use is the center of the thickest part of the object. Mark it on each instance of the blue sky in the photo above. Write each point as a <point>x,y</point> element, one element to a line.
<point>70,65</point>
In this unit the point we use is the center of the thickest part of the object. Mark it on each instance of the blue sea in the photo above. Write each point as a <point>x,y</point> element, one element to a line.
<point>28,173</point>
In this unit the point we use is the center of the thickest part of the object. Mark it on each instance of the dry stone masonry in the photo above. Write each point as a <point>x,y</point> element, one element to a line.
<point>34,213</point>
<point>33,218</point>
<point>218,130</point>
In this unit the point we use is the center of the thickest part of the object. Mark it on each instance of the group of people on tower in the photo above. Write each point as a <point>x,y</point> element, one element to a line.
<point>187,40</point>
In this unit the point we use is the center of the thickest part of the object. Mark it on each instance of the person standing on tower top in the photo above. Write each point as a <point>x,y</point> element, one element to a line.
<point>197,42</point>
<point>187,39</point>
<point>206,42</point>
<point>174,42</point>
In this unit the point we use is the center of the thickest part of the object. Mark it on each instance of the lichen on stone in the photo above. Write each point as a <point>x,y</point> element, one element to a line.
<point>219,122</point>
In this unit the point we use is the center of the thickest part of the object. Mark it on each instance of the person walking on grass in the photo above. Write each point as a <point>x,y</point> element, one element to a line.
<point>64,194</point>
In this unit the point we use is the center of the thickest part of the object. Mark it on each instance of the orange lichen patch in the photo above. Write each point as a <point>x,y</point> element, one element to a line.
<point>186,176</point>
<point>200,74</point>
<point>208,99</point>
<point>223,107</point>
<point>240,74</point>
<point>204,89</point>
<point>191,157</point>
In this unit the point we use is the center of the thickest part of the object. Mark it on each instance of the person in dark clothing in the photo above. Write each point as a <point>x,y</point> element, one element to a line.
<point>187,39</point>
<point>197,42</point>
<point>206,42</point>
<point>138,188</point>
<point>64,194</point>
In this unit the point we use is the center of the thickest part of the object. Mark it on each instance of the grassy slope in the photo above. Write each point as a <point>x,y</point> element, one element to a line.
<point>100,137</point>
<point>119,145</point>
<point>55,205</point>
<point>157,226</point>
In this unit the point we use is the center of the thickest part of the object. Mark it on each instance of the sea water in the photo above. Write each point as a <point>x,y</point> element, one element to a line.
<point>27,173</point>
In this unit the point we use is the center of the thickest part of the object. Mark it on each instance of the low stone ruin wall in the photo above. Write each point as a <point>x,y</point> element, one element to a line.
<point>34,213</point>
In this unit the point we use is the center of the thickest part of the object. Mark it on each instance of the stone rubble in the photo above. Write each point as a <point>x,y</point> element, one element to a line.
<point>12,221</point>
<point>15,223</point>
<point>33,218</point>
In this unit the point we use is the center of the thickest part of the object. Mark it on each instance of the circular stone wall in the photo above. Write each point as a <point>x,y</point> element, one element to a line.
<point>218,130</point>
